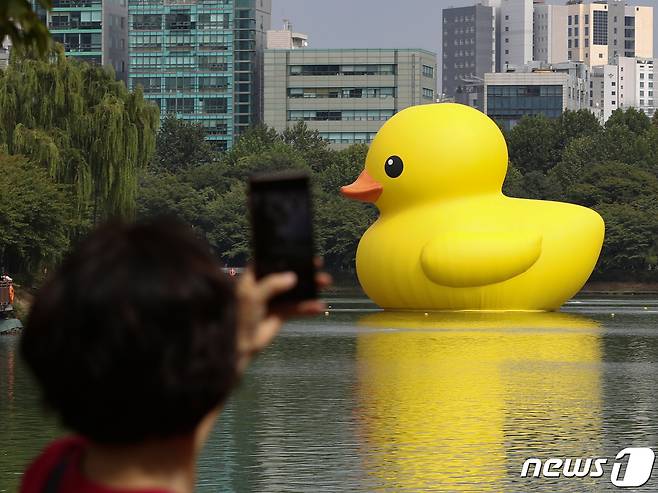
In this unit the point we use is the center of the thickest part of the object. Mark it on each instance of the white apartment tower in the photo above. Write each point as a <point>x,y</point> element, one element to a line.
<point>598,33</point>
<point>549,41</point>
<point>516,33</point>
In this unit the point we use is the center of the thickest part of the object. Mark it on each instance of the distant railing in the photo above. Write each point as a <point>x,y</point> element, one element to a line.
<point>74,25</point>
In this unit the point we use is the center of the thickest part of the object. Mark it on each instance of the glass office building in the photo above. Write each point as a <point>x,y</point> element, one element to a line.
<point>345,94</point>
<point>536,89</point>
<point>508,104</point>
<point>95,31</point>
<point>201,60</point>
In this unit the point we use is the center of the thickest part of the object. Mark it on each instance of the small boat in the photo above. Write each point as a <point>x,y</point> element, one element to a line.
<point>8,321</point>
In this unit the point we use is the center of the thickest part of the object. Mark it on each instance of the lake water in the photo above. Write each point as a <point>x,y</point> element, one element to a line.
<point>364,400</point>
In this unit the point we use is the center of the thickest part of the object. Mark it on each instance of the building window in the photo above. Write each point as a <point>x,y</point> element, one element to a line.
<point>428,93</point>
<point>569,19</point>
<point>348,137</point>
<point>428,71</point>
<point>600,28</point>
<point>338,115</point>
<point>344,92</point>
<point>313,70</point>
<point>586,19</point>
<point>586,42</point>
<point>147,22</point>
<point>180,105</point>
<point>506,29</point>
<point>215,105</point>
<point>508,104</point>
<point>575,43</point>
<point>575,19</point>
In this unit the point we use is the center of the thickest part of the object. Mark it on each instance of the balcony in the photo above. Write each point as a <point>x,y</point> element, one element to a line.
<point>181,25</point>
<point>74,25</point>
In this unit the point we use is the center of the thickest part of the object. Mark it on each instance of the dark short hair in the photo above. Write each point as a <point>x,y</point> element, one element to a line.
<point>134,336</point>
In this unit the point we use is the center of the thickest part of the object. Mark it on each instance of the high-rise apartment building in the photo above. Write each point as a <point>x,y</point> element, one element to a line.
<point>549,40</point>
<point>201,60</point>
<point>469,50</point>
<point>604,91</point>
<point>95,31</point>
<point>345,94</point>
<point>636,83</point>
<point>599,32</point>
<point>628,83</point>
<point>516,29</point>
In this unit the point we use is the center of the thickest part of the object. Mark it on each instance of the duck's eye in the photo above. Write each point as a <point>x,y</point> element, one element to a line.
<point>394,166</point>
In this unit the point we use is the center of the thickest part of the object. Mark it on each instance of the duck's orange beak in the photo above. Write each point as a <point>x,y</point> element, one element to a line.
<point>365,188</point>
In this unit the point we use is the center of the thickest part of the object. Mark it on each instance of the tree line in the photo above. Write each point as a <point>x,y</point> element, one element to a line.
<point>611,168</point>
<point>76,148</point>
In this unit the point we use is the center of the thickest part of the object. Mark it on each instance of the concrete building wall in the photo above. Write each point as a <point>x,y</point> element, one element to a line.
<point>604,91</point>
<point>285,40</point>
<point>115,37</point>
<point>636,84</point>
<point>516,32</point>
<point>469,49</point>
<point>550,33</point>
<point>643,31</point>
<point>587,33</point>
<point>345,94</point>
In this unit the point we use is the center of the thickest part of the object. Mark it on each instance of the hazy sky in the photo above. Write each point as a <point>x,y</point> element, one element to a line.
<point>375,23</point>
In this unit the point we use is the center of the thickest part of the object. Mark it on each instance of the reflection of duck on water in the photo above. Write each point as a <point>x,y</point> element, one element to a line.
<point>458,401</point>
<point>447,238</point>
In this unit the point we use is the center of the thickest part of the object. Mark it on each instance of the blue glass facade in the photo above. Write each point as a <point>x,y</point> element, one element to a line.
<point>95,31</point>
<point>198,60</point>
<point>507,104</point>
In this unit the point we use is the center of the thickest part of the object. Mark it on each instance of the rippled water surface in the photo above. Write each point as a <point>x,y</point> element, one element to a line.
<point>363,400</point>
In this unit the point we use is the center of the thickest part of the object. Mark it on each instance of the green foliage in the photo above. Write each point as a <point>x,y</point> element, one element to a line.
<point>211,197</point>
<point>21,24</point>
<point>634,120</point>
<point>180,145</point>
<point>35,217</point>
<point>82,125</point>
<point>612,169</point>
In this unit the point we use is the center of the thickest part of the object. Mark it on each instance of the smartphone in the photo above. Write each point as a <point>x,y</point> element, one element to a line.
<point>282,230</point>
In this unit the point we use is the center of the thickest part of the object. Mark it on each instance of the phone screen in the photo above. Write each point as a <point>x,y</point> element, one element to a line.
<point>282,230</point>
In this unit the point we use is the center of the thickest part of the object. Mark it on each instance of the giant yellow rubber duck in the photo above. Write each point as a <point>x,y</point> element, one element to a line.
<point>447,238</point>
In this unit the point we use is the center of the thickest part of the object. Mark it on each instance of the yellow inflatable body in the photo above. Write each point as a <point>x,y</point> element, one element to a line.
<point>447,238</point>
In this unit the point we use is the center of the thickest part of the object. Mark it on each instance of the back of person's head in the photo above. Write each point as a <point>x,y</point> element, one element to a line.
<point>134,336</point>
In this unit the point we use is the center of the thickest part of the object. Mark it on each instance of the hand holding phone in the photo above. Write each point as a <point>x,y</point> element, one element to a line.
<point>282,230</point>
